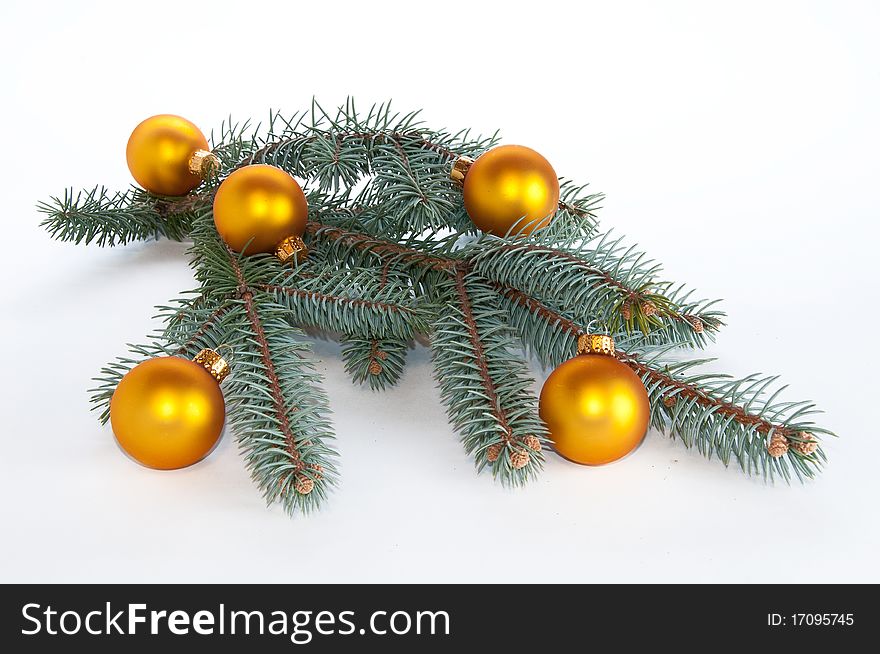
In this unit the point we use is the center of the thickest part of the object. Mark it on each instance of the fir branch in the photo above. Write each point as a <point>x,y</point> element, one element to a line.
<point>576,215</point>
<point>730,418</point>
<point>719,415</point>
<point>393,254</point>
<point>259,335</point>
<point>385,251</point>
<point>234,143</point>
<point>407,166</point>
<point>187,345</point>
<point>284,442</point>
<point>486,389</point>
<point>480,357</point>
<point>107,219</point>
<point>351,301</point>
<point>376,361</point>
<point>271,376</point>
<point>350,138</point>
<point>599,279</point>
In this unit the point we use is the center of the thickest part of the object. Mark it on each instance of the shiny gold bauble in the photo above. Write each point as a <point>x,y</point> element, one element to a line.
<point>511,185</point>
<point>159,153</point>
<point>596,409</point>
<point>167,412</point>
<point>259,206</point>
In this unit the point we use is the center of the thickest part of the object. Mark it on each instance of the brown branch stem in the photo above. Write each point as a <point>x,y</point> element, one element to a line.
<point>382,248</point>
<point>203,329</point>
<point>480,354</point>
<point>247,296</point>
<point>323,297</point>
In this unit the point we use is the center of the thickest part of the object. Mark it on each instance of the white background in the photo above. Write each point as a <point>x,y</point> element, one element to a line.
<point>737,143</point>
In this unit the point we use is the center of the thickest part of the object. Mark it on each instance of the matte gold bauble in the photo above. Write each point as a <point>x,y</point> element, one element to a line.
<point>511,185</point>
<point>160,154</point>
<point>595,407</point>
<point>168,412</point>
<point>258,207</point>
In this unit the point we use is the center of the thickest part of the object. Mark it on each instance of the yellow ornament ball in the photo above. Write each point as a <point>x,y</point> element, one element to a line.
<point>259,206</point>
<point>595,408</point>
<point>167,412</point>
<point>159,153</point>
<point>511,185</point>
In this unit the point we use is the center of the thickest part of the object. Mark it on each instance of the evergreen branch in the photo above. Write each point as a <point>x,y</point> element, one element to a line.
<point>392,254</point>
<point>347,139</point>
<point>284,441</point>
<point>716,414</point>
<point>377,361</point>
<point>480,357</point>
<point>728,417</point>
<point>486,389</point>
<point>271,376</point>
<point>407,165</point>
<point>107,219</point>
<point>259,335</point>
<point>351,302</point>
<point>235,142</point>
<point>576,216</point>
<point>605,282</point>
<point>417,186</point>
<point>186,347</point>
<point>384,250</point>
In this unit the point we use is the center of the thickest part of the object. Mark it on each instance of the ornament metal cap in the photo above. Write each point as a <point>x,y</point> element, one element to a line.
<point>596,344</point>
<point>460,168</point>
<point>204,164</point>
<point>213,363</point>
<point>293,247</point>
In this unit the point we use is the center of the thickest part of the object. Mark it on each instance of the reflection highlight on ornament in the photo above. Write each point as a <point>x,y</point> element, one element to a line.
<point>165,406</point>
<point>536,191</point>
<point>622,406</point>
<point>592,405</point>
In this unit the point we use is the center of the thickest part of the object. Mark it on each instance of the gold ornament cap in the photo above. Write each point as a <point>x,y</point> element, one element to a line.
<point>293,247</point>
<point>596,344</point>
<point>460,168</point>
<point>205,164</point>
<point>213,363</point>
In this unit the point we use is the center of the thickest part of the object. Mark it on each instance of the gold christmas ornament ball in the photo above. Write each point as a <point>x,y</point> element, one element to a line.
<point>159,152</point>
<point>167,412</point>
<point>257,207</point>
<point>595,408</point>
<point>511,185</point>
